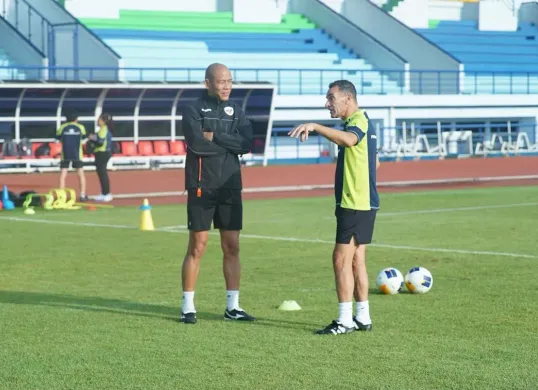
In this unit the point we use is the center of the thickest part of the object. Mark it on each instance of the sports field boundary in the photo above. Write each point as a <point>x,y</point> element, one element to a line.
<point>317,187</point>
<point>278,238</point>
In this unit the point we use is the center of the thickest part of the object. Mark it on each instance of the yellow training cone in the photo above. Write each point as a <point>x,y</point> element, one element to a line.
<point>289,306</point>
<point>146,221</point>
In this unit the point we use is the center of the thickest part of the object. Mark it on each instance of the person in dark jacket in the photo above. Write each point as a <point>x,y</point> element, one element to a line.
<point>217,132</point>
<point>72,136</point>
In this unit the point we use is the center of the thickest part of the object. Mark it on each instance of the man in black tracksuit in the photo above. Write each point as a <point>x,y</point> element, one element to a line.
<point>216,131</point>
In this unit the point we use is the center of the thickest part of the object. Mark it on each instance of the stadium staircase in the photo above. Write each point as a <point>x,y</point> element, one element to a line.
<point>290,54</point>
<point>495,61</point>
<point>7,68</point>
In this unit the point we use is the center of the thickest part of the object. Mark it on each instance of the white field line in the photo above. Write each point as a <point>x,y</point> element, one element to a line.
<point>175,227</point>
<point>452,209</point>
<point>278,238</point>
<point>418,212</point>
<point>312,187</point>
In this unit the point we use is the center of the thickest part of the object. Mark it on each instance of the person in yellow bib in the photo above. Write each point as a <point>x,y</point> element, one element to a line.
<point>357,202</point>
<point>72,136</point>
<point>102,143</point>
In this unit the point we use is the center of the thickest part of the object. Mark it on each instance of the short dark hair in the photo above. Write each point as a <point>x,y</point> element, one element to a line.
<point>71,115</point>
<point>345,86</point>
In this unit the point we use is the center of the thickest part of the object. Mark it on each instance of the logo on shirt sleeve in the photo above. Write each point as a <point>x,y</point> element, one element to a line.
<point>229,110</point>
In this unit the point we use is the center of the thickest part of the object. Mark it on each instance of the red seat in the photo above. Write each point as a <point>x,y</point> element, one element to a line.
<point>178,148</point>
<point>116,148</point>
<point>128,148</point>
<point>161,148</point>
<point>55,150</point>
<point>145,148</point>
<point>36,145</point>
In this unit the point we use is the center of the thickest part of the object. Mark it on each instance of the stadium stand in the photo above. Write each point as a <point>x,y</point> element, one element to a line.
<point>495,61</point>
<point>8,70</point>
<point>291,54</point>
<point>315,43</point>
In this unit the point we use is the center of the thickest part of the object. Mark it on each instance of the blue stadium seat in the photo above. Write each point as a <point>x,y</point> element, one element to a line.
<point>291,60</point>
<point>495,61</point>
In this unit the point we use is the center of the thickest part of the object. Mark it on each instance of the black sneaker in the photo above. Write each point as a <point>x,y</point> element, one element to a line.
<point>84,198</point>
<point>360,326</point>
<point>335,328</point>
<point>237,315</point>
<point>188,318</point>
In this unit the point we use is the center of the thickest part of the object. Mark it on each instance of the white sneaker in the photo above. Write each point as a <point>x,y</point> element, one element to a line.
<point>99,198</point>
<point>107,198</point>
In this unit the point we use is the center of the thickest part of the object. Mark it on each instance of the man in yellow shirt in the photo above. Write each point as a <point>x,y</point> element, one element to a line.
<point>357,202</point>
<point>102,142</point>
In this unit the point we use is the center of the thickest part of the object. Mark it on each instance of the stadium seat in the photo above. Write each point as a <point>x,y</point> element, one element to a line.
<point>178,148</point>
<point>161,148</point>
<point>36,145</point>
<point>145,148</point>
<point>490,57</point>
<point>116,148</point>
<point>55,149</point>
<point>128,148</point>
<point>189,41</point>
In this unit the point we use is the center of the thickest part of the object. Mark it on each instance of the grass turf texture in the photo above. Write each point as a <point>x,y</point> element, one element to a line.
<point>97,307</point>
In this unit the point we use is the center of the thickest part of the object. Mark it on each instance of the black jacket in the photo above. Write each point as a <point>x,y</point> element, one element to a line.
<point>218,159</point>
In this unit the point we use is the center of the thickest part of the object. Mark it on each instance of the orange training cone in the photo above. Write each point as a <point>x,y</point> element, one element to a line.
<point>146,221</point>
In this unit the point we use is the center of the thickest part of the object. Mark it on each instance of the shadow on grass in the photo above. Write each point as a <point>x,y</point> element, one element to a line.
<point>118,306</point>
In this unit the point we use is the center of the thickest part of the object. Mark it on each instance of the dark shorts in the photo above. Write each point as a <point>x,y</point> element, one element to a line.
<point>223,207</point>
<point>77,164</point>
<point>356,223</point>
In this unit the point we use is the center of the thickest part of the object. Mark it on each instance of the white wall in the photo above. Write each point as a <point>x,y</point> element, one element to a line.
<point>110,8</point>
<point>452,10</point>
<point>495,15</point>
<point>413,13</point>
<point>431,108</point>
<point>336,5</point>
<point>259,11</point>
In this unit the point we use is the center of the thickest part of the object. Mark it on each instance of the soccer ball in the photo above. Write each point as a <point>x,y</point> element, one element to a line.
<point>419,280</point>
<point>390,281</point>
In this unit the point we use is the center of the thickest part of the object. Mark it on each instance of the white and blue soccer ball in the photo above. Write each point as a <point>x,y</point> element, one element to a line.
<point>419,280</point>
<point>390,281</point>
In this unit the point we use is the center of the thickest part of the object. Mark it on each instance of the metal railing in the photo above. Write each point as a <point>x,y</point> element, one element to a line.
<point>307,81</point>
<point>31,24</point>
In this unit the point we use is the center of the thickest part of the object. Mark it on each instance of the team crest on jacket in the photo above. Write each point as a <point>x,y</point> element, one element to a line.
<point>229,110</point>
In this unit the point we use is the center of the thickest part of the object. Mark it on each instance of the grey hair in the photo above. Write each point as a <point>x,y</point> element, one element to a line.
<point>345,86</point>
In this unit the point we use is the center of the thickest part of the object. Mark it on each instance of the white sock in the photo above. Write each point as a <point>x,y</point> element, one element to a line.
<point>232,299</point>
<point>345,313</point>
<point>188,302</point>
<point>363,313</point>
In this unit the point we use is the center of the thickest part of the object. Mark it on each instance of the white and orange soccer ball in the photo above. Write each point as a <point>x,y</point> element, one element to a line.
<point>419,280</point>
<point>390,281</point>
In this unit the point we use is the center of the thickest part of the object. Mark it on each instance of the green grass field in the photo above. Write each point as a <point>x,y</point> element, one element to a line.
<point>87,301</point>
